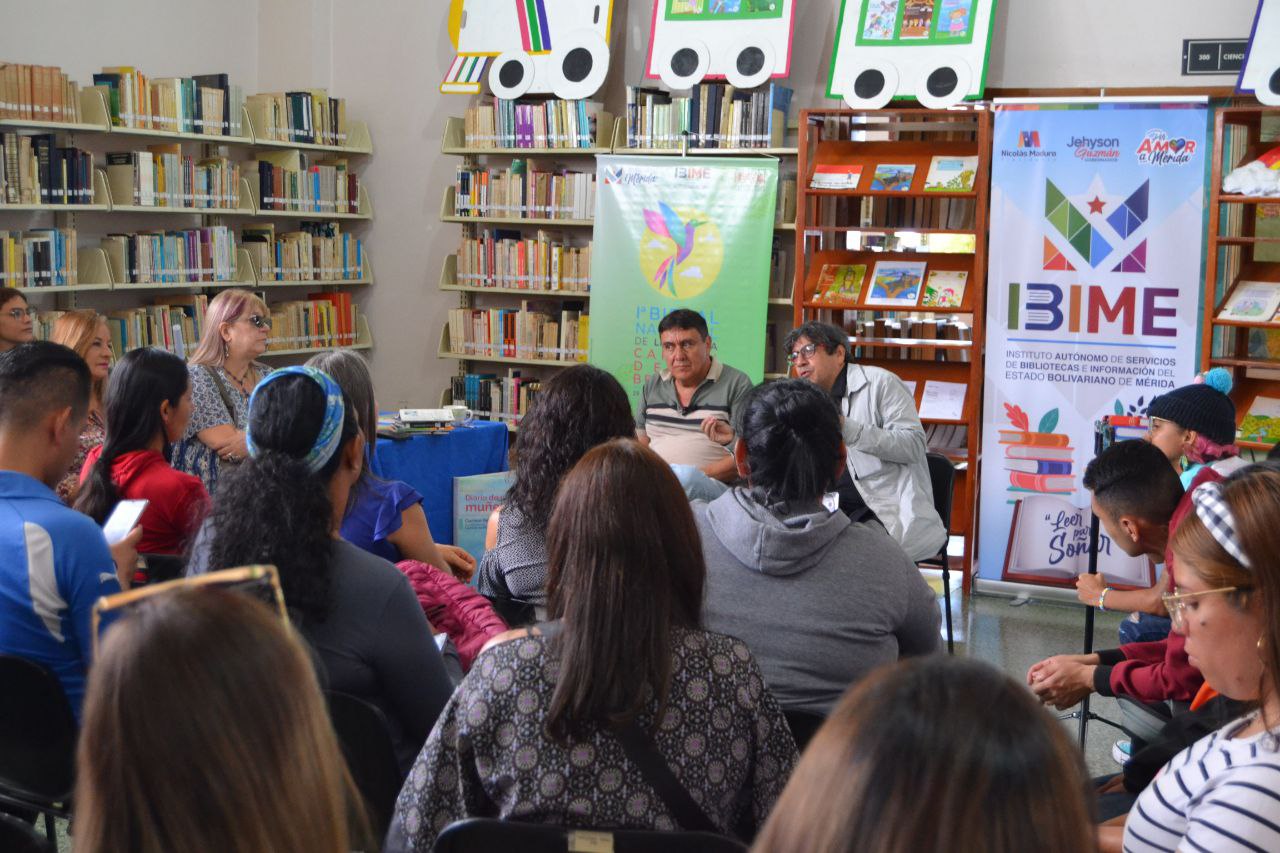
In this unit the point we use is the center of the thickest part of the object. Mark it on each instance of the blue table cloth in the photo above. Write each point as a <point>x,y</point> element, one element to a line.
<point>430,462</point>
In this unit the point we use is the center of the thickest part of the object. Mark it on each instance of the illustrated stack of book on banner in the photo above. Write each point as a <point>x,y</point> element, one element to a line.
<point>500,123</point>
<point>714,115</point>
<point>1039,461</point>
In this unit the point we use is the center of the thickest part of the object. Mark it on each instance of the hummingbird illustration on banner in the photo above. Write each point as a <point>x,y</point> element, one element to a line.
<point>667,223</point>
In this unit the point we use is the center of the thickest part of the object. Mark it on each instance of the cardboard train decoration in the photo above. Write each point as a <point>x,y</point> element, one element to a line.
<point>744,42</point>
<point>932,50</point>
<point>558,47</point>
<point>1260,75</point>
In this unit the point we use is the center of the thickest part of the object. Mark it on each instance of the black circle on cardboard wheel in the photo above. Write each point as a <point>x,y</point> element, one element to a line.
<point>510,74</point>
<point>1274,83</point>
<point>750,61</point>
<point>942,81</point>
<point>577,65</point>
<point>868,83</point>
<point>684,62</point>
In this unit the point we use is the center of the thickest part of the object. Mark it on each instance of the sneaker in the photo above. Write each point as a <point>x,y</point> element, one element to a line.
<point>1122,751</point>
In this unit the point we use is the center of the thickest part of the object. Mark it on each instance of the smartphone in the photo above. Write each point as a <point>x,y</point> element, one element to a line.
<point>123,519</point>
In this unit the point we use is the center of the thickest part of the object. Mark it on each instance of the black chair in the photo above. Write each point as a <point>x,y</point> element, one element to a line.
<point>163,567</point>
<point>365,740</point>
<point>804,725</point>
<point>17,836</point>
<point>516,613</point>
<point>37,741</point>
<point>483,835</point>
<point>942,477</point>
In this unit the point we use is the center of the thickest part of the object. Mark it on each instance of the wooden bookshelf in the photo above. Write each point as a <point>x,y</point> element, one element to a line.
<point>1236,254</point>
<point>861,225</point>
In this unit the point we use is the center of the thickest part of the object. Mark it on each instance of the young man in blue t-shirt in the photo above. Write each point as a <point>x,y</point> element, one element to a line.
<point>54,561</point>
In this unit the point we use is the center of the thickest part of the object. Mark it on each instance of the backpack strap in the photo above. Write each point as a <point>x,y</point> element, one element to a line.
<point>223,391</point>
<point>643,752</point>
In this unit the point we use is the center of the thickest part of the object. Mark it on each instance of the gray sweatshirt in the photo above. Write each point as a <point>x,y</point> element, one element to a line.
<point>820,601</point>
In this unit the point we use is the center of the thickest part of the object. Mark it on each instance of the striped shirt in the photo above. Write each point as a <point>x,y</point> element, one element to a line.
<point>675,431</point>
<point>1221,794</point>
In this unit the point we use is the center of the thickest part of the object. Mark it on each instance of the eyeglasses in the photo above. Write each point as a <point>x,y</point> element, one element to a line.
<point>1176,603</point>
<point>258,321</point>
<point>19,313</point>
<point>806,352</point>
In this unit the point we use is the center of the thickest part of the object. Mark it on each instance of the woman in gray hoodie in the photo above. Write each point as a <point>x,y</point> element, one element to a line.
<point>819,600</point>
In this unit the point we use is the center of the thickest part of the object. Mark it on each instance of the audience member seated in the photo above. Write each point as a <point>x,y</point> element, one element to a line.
<point>687,412</point>
<point>1139,501</point>
<point>148,407</point>
<point>819,600</point>
<point>935,754</point>
<point>205,731</point>
<point>886,465</point>
<point>578,408</point>
<point>86,333</point>
<point>284,507</point>
<point>548,725</point>
<point>1219,793</point>
<point>223,375</point>
<point>16,326</point>
<point>384,517</point>
<point>54,561</point>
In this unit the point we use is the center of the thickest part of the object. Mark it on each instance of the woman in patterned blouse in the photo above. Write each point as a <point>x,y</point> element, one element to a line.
<point>532,733</point>
<point>86,332</point>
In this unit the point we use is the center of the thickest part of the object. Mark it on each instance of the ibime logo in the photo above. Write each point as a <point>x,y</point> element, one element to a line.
<point>1029,139</point>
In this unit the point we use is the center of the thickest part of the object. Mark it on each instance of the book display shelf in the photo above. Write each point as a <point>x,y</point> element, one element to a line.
<point>891,246</point>
<point>1241,328</point>
<point>100,279</point>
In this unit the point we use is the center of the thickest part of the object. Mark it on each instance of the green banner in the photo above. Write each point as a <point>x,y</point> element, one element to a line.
<point>680,233</point>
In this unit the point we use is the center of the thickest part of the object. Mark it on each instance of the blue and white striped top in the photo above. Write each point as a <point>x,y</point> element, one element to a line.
<point>1220,794</point>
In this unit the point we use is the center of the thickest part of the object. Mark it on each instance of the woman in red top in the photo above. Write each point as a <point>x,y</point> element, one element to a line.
<point>148,406</point>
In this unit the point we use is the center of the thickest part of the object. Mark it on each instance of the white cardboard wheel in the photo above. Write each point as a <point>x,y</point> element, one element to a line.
<point>872,101</point>
<point>748,81</point>
<point>668,74</point>
<point>964,79</point>
<point>594,44</point>
<point>504,60</point>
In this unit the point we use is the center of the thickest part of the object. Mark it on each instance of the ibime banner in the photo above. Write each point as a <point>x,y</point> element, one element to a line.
<point>680,233</point>
<point>1092,309</point>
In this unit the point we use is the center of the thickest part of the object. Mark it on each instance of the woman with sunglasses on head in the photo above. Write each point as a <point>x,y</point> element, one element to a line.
<point>223,375</point>
<point>15,319</point>
<point>86,332</point>
<point>1220,793</point>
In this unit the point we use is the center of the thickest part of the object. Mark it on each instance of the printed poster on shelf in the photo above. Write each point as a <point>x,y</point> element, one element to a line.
<point>1092,310</point>
<point>680,234</point>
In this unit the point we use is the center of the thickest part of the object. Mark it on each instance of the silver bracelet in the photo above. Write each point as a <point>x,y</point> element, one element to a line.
<point>1102,599</point>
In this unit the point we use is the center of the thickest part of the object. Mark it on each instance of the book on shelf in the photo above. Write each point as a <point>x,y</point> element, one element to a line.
<point>840,284</point>
<point>895,177</point>
<point>1252,302</point>
<point>923,329</point>
<point>836,176</point>
<point>530,332</point>
<point>173,323</point>
<point>781,282</point>
<point>41,257</point>
<point>552,123</point>
<point>163,176</point>
<point>1262,422</point>
<point>785,210</point>
<point>497,398</point>
<point>38,93</point>
<point>206,104</point>
<point>318,251</point>
<point>896,284</point>
<point>510,259</point>
<point>951,174</point>
<point>714,115</point>
<point>172,257</point>
<point>525,191</point>
<point>296,181</point>
<point>36,170</point>
<point>944,289</point>
<point>310,117</point>
<point>322,321</point>
<point>919,212</point>
<point>1042,547</point>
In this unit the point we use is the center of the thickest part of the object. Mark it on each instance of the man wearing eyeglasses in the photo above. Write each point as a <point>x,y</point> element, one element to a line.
<point>16,326</point>
<point>686,411</point>
<point>885,465</point>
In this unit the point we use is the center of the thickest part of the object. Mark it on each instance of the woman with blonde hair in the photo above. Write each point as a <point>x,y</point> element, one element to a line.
<point>224,373</point>
<point>86,332</point>
<point>205,730</point>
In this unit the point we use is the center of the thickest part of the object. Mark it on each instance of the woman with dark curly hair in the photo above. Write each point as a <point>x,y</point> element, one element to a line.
<point>284,506</point>
<point>578,409</point>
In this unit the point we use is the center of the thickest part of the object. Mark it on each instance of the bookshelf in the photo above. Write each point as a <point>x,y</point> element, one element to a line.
<point>1243,247</point>
<point>909,232</point>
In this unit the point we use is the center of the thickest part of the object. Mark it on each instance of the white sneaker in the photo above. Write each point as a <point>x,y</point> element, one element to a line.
<point>1122,751</point>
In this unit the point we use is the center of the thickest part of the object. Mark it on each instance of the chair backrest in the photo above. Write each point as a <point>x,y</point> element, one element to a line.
<point>804,725</point>
<point>942,477</point>
<point>18,836</point>
<point>37,734</point>
<point>366,744</point>
<point>481,835</point>
<point>163,567</point>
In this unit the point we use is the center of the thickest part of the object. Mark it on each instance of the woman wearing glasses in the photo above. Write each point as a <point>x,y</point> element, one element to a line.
<point>15,319</point>
<point>223,375</point>
<point>1219,793</point>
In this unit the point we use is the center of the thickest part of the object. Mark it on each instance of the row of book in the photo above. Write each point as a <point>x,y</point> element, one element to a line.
<point>527,333</point>
<point>496,398</point>
<point>321,321</point>
<point>206,104</point>
<point>173,323</point>
<point>919,329</point>
<point>312,117</point>
<point>38,93</point>
<point>713,115</point>
<point>172,257</point>
<point>319,251</point>
<point>500,123</point>
<point>291,180</point>
<point>42,257</point>
<point>509,259</point>
<point>163,176</point>
<point>36,170</point>
<point>947,173</point>
<point>892,283</point>
<point>525,192</point>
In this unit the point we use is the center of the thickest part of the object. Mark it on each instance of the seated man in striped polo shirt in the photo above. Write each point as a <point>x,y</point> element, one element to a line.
<point>680,407</point>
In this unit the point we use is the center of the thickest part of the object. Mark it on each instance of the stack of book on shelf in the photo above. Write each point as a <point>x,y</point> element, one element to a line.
<point>207,104</point>
<point>163,176</point>
<point>38,93</point>
<point>500,123</point>
<point>174,323</point>
<point>528,333</point>
<point>310,117</point>
<point>41,257</point>
<point>290,180</point>
<point>320,251</point>
<point>172,257</point>
<point>951,440</point>
<point>715,115</point>
<point>916,328</point>
<point>491,397</point>
<point>320,321</point>
<point>1037,461</point>
<point>509,259</point>
<point>36,170</point>
<point>525,192</point>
